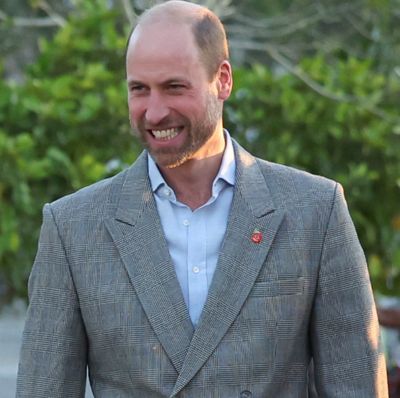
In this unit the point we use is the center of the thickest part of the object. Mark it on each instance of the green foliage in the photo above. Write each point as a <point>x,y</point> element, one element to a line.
<point>355,141</point>
<point>62,128</point>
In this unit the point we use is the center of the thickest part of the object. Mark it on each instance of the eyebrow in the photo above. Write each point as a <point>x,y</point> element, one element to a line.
<point>132,82</point>
<point>176,79</point>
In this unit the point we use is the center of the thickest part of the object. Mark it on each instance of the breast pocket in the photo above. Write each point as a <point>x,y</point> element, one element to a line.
<point>270,300</point>
<point>280,287</point>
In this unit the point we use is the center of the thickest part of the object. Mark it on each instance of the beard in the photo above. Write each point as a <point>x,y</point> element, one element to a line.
<point>198,132</point>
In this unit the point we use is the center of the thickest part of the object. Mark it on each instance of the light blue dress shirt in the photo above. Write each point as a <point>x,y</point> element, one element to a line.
<point>194,237</point>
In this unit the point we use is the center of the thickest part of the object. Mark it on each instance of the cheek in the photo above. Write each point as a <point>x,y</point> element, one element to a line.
<point>136,110</point>
<point>188,107</point>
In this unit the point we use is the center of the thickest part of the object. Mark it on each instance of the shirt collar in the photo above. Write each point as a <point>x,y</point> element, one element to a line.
<point>226,171</point>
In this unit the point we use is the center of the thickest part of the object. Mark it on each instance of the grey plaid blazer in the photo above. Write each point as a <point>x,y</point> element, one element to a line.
<point>104,294</point>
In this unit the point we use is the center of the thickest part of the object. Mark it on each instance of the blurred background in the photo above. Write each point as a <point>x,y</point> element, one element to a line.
<point>317,86</point>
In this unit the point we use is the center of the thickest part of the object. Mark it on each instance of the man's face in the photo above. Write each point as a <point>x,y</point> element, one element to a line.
<point>173,107</point>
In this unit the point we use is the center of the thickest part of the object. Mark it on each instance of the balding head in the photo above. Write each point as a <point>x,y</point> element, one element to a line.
<point>208,31</point>
<point>172,10</point>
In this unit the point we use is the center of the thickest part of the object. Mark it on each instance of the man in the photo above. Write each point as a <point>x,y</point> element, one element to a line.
<point>200,271</point>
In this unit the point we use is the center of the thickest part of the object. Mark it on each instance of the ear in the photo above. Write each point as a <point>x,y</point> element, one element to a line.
<point>224,80</point>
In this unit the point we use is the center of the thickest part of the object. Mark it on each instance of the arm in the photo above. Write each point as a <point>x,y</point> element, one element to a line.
<point>54,348</point>
<point>344,328</point>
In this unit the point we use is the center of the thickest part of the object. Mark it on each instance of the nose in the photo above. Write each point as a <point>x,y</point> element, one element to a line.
<point>157,109</point>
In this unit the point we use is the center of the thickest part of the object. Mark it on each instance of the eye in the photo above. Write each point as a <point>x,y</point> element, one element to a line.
<point>176,88</point>
<point>136,88</point>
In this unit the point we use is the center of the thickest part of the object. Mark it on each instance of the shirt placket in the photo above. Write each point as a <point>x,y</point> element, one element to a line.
<point>196,265</point>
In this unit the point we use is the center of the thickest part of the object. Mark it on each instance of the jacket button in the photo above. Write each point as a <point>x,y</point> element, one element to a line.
<point>246,394</point>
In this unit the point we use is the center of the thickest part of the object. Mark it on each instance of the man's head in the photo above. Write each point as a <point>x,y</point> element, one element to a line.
<point>207,29</point>
<point>178,78</point>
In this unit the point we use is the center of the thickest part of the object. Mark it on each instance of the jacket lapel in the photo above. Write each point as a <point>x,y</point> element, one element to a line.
<point>239,262</point>
<point>139,238</point>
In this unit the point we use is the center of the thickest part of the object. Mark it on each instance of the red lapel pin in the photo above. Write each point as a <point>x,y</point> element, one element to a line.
<point>256,237</point>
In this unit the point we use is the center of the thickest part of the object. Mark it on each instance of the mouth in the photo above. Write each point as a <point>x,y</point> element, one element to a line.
<point>165,134</point>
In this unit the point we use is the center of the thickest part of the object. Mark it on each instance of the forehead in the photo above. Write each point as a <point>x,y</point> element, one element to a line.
<point>162,45</point>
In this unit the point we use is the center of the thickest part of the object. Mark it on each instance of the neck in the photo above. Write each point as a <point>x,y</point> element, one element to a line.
<point>192,181</point>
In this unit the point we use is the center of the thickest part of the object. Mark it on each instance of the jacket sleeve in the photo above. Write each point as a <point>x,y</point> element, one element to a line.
<point>344,330</point>
<point>54,346</point>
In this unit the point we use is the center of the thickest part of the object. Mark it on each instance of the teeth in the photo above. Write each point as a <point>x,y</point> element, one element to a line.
<point>165,134</point>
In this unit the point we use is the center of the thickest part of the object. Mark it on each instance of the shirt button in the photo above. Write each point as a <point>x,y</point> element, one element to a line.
<point>167,192</point>
<point>196,270</point>
<point>186,223</point>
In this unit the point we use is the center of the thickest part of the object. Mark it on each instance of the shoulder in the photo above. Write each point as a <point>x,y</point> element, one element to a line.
<point>293,176</point>
<point>286,186</point>
<point>93,200</point>
<point>291,186</point>
<point>101,199</point>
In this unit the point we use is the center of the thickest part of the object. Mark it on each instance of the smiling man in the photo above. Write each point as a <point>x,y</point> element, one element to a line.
<point>175,94</point>
<point>200,271</point>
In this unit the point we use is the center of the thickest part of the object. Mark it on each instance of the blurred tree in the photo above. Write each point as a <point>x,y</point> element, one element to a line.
<point>62,127</point>
<point>21,24</point>
<point>364,29</point>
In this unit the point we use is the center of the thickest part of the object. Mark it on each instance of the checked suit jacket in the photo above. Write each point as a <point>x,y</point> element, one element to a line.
<point>104,295</point>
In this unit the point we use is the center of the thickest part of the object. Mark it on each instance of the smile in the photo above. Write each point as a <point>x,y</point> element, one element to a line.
<point>167,134</point>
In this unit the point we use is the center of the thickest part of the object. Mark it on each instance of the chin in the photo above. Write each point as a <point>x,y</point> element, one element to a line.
<point>169,162</point>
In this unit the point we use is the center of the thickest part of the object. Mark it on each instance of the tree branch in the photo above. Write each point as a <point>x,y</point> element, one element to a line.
<point>359,28</point>
<point>222,8</point>
<point>57,18</point>
<point>273,33</point>
<point>129,12</point>
<point>321,90</point>
<point>315,86</point>
<point>29,22</point>
<point>290,18</point>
